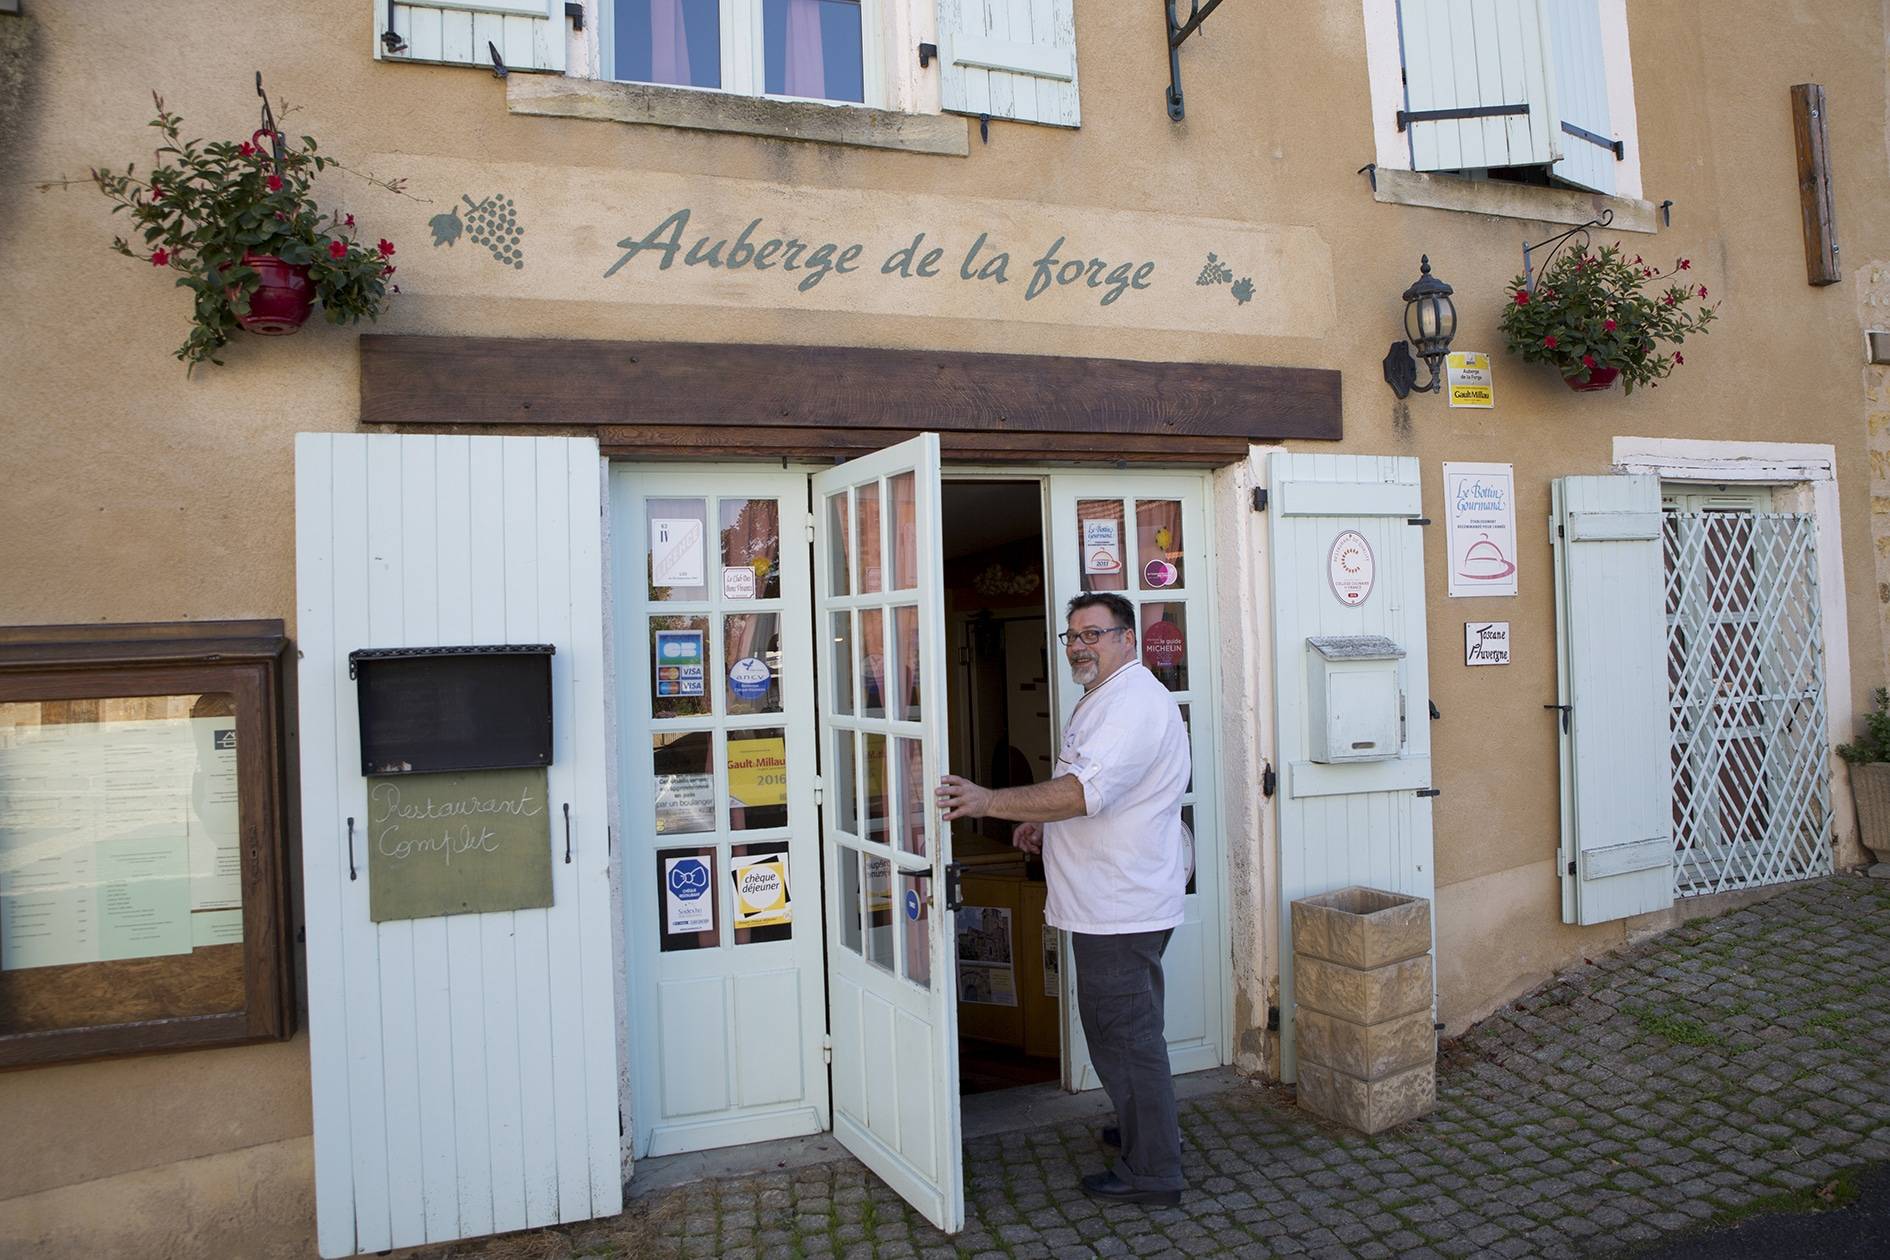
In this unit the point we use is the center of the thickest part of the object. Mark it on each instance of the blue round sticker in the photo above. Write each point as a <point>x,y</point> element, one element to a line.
<point>749,677</point>
<point>688,879</point>
<point>912,903</point>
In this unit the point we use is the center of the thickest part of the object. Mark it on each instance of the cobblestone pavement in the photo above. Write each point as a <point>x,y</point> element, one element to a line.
<point>1732,1063</point>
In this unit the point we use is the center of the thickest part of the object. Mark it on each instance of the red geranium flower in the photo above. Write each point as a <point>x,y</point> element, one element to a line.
<point>1668,299</point>
<point>275,183</point>
<point>246,149</point>
<point>157,194</point>
<point>160,258</point>
<point>337,249</point>
<point>1686,264</point>
<point>1702,290</point>
<point>1588,361</point>
<point>1549,341</point>
<point>1608,324</point>
<point>1678,357</point>
<point>1637,260</point>
<point>386,247</point>
<point>348,222</point>
<point>387,271</point>
<point>1522,297</point>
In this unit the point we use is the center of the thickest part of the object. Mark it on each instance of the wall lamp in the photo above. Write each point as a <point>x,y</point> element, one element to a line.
<point>1430,321</point>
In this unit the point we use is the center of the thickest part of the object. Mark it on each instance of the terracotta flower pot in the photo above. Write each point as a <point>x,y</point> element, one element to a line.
<point>1592,379</point>
<point>282,301</point>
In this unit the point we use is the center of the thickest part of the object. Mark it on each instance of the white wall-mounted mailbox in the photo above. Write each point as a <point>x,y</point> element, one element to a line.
<point>1355,705</point>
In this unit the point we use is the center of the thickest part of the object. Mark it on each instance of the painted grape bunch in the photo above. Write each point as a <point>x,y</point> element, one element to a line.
<point>492,223</point>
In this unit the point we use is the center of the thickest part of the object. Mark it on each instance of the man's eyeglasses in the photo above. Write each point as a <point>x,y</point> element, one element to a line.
<point>1089,637</point>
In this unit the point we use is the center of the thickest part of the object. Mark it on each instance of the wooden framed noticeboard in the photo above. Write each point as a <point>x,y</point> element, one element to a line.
<point>458,843</point>
<point>142,904</point>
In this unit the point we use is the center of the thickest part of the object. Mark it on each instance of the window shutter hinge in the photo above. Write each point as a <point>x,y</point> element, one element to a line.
<point>826,1049</point>
<point>620,1122</point>
<point>576,13</point>
<point>1269,781</point>
<point>928,53</point>
<point>393,43</point>
<point>1418,520</point>
<point>1571,867</point>
<point>1259,498</point>
<point>809,527</point>
<point>1428,792</point>
<point>820,793</point>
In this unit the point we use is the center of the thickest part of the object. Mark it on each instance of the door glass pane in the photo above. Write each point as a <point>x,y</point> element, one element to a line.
<point>1158,543</point>
<point>872,662</point>
<point>1187,730</point>
<point>761,898</point>
<point>757,779</point>
<point>679,666</point>
<point>1100,542</point>
<point>872,554</point>
<point>678,531</point>
<point>879,929</point>
<point>905,508</point>
<point>686,902</point>
<point>845,781</point>
<point>877,801</point>
<point>915,911</point>
<point>1165,643</point>
<point>751,656</point>
<point>839,544</point>
<point>813,48</point>
<point>669,41</point>
<point>841,662</point>
<point>909,769</point>
<point>848,909</point>
<point>751,540</point>
<point>685,782</point>
<point>1187,820</point>
<point>905,697</point>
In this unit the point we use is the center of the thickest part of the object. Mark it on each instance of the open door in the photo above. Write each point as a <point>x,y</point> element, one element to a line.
<point>879,609</point>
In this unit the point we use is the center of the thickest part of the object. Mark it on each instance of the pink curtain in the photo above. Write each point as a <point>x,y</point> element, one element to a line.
<point>669,43</point>
<point>806,66</point>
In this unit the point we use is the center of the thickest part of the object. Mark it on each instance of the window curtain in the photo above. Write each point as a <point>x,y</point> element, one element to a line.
<point>806,62</point>
<point>669,43</point>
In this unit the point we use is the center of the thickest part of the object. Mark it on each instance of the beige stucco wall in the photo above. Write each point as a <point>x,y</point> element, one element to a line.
<point>133,493</point>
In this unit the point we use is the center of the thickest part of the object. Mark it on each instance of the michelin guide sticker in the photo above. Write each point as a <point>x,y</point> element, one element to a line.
<point>1351,568</point>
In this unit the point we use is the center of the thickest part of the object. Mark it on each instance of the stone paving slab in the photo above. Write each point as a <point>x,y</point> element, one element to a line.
<point>1636,1097</point>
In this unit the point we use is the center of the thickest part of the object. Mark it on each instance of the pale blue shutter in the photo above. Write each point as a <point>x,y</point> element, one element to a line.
<point>1476,83</point>
<point>1367,822</point>
<point>529,34</point>
<point>1588,145</point>
<point>1012,59</point>
<point>1616,856</point>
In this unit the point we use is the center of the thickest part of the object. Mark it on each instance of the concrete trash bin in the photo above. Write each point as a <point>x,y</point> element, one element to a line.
<point>1362,990</point>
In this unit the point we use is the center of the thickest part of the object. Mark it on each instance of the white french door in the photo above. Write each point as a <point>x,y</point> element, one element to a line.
<point>721,852</point>
<point>879,617</point>
<point>1144,536</point>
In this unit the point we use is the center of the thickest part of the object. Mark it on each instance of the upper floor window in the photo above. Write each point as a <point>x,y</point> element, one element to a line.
<point>1531,91</point>
<point>811,49</point>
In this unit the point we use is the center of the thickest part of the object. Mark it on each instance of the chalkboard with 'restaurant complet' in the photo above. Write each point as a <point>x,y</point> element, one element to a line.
<point>458,843</point>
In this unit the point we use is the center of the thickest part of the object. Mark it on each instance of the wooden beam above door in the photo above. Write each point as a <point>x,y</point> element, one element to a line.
<point>671,399</point>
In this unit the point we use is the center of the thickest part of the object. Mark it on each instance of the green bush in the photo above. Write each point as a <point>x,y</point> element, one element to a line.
<point>1874,744</point>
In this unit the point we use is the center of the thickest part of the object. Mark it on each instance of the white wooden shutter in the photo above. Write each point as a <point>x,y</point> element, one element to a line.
<point>1462,56</point>
<point>463,1068</point>
<point>1616,855</point>
<point>1011,59</point>
<point>1364,823</point>
<point>1581,96</point>
<point>529,34</point>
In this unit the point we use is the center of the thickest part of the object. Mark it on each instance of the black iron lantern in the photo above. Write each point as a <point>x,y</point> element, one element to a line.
<point>1430,321</point>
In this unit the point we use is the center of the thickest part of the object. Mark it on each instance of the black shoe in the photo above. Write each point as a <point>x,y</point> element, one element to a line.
<point>1111,1137</point>
<point>1113,1189</point>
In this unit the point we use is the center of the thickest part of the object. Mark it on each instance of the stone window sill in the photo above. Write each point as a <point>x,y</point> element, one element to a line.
<point>556,96</point>
<point>1511,201</point>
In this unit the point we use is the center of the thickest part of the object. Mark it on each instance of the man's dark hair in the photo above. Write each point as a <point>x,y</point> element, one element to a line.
<point>1119,608</point>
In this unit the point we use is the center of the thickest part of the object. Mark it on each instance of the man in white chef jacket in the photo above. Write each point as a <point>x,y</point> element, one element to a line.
<point>1116,856</point>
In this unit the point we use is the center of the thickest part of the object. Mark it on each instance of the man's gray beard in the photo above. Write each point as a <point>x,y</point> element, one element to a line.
<point>1090,667</point>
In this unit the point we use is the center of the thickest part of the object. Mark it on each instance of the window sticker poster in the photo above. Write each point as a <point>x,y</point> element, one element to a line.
<point>1480,528</point>
<point>1102,547</point>
<point>687,905</point>
<point>761,890</point>
<point>676,552</point>
<point>685,803</point>
<point>986,975</point>
<point>679,662</point>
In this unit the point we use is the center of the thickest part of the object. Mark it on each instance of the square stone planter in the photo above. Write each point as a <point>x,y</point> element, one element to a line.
<point>1870,792</point>
<point>1363,994</point>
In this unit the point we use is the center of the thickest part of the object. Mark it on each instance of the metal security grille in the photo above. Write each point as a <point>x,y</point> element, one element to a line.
<point>1751,783</point>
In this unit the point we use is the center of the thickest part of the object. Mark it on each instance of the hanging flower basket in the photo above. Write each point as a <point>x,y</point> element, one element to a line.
<point>238,224</point>
<point>1596,317</point>
<point>282,299</point>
